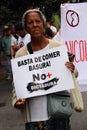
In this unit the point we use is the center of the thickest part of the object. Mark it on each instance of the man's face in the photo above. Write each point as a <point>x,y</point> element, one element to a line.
<point>8,32</point>
<point>22,33</point>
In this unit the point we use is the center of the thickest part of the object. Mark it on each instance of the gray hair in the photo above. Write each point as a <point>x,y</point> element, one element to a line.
<point>33,10</point>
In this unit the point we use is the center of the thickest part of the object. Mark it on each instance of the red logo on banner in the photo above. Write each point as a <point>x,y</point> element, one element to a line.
<point>72,18</point>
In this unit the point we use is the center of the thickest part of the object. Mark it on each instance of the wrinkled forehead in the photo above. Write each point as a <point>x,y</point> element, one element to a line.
<point>40,14</point>
<point>34,15</point>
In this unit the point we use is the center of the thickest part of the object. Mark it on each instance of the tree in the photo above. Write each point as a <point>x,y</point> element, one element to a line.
<point>12,10</point>
<point>5,14</point>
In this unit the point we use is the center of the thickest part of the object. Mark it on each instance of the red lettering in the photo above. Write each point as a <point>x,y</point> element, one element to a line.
<point>76,59</point>
<point>78,48</point>
<point>69,45</point>
<point>81,49</point>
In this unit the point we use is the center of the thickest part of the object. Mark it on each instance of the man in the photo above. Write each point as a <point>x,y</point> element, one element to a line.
<point>6,43</point>
<point>22,38</point>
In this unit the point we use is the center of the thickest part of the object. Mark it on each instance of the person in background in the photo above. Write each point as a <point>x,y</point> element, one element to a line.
<point>48,33</point>
<point>52,27</point>
<point>50,24</point>
<point>57,36</point>
<point>2,56</point>
<point>0,50</point>
<point>22,38</point>
<point>34,22</point>
<point>6,43</point>
<point>11,25</point>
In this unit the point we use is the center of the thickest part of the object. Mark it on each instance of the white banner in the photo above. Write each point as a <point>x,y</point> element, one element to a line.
<point>74,36</point>
<point>42,73</point>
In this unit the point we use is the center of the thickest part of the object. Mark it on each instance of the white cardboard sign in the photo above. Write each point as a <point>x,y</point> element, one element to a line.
<point>42,73</point>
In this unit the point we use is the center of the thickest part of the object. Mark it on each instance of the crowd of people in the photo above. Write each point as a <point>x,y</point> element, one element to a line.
<point>14,36</point>
<point>39,33</point>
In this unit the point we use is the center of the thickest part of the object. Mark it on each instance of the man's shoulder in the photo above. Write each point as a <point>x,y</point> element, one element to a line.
<point>4,37</point>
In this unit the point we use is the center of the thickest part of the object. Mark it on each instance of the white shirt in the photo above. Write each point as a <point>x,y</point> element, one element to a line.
<point>57,37</point>
<point>53,28</point>
<point>38,105</point>
<point>24,40</point>
<point>13,40</point>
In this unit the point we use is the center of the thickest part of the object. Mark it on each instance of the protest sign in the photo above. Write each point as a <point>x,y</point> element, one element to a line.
<point>42,73</point>
<point>74,36</point>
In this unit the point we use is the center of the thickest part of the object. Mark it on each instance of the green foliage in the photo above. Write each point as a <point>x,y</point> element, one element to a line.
<point>12,10</point>
<point>56,18</point>
<point>5,14</point>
